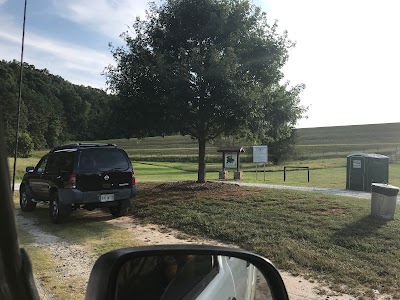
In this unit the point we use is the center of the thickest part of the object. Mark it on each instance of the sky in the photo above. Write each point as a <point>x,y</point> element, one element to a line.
<point>347,51</point>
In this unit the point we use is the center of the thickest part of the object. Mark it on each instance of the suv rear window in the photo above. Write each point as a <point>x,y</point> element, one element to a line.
<point>103,160</point>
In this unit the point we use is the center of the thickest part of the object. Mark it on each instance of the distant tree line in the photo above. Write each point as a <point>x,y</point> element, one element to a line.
<point>53,110</point>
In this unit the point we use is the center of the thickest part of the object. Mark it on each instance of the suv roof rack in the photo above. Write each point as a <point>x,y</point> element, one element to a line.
<point>81,146</point>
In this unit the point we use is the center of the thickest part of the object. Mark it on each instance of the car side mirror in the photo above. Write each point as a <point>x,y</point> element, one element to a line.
<point>29,169</point>
<point>169,272</point>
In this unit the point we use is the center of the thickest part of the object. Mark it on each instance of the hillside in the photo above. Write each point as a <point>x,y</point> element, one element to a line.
<point>313,143</point>
<point>340,141</point>
<point>355,134</point>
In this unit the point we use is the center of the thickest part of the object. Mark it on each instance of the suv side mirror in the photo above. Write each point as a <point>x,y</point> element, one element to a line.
<point>29,169</point>
<point>168,272</point>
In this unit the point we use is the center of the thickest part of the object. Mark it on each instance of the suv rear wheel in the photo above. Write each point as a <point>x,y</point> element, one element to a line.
<point>121,209</point>
<point>25,201</point>
<point>58,212</point>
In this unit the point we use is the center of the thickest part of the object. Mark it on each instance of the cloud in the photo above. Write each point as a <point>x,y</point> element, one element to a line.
<point>2,1</point>
<point>81,65</point>
<point>109,17</point>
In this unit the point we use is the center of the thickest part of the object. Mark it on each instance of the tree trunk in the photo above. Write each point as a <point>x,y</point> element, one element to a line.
<point>201,171</point>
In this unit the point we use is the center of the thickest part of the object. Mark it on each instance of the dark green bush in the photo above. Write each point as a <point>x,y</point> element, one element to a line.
<point>25,145</point>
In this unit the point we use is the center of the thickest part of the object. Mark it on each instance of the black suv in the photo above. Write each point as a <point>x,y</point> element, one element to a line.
<point>80,176</point>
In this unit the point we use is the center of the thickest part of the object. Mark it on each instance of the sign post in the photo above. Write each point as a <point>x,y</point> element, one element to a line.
<point>260,154</point>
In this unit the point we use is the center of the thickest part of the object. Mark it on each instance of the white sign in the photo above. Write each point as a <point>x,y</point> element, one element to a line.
<point>231,160</point>
<point>356,164</point>
<point>260,154</point>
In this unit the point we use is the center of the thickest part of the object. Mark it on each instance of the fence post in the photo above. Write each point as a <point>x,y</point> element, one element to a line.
<point>284,173</point>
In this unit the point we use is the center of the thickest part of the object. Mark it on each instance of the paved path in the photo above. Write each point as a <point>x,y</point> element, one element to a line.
<point>348,193</point>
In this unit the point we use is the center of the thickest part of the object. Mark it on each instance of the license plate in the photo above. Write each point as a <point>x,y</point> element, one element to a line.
<point>107,197</point>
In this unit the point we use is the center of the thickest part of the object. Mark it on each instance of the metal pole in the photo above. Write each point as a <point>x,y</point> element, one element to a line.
<point>256,170</point>
<point>284,173</point>
<point>264,171</point>
<point>19,98</point>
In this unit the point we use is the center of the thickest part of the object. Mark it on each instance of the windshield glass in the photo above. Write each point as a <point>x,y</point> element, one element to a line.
<point>268,125</point>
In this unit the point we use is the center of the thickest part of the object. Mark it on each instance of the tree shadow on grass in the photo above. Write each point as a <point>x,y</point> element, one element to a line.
<point>358,230</point>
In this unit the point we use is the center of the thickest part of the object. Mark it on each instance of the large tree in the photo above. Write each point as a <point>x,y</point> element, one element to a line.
<point>274,124</point>
<point>198,67</point>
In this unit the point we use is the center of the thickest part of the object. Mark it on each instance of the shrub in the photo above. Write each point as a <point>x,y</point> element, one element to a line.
<point>25,145</point>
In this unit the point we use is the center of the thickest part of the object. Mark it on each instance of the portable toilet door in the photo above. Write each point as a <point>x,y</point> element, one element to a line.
<point>377,170</point>
<point>356,172</point>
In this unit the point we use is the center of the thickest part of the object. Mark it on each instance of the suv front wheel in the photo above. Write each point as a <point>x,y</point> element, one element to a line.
<point>58,212</point>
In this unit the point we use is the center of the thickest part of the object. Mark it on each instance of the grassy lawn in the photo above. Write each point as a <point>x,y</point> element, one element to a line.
<point>324,173</point>
<point>325,237</point>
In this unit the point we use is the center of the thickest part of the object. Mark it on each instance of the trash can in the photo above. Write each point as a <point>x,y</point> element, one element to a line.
<point>383,200</point>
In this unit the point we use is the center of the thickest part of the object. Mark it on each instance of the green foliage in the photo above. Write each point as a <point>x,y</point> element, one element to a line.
<point>25,145</point>
<point>52,110</point>
<point>275,123</point>
<point>205,68</point>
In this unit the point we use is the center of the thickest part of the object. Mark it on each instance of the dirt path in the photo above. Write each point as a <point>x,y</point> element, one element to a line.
<point>81,263</point>
<point>71,259</point>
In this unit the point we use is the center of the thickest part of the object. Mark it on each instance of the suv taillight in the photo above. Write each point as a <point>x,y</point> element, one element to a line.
<point>71,181</point>
<point>133,178</point>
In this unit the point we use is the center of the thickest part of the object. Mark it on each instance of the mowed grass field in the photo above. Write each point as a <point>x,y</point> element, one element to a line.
<point>324,237</point>
<point>340,141</point>
<point>324,150</point>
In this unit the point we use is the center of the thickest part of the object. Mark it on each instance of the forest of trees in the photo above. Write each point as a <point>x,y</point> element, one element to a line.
<point>53,110</point>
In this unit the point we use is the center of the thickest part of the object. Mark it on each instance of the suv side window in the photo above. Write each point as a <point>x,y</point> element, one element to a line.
<point>60,162</point>
<point>51,166</point>
<point>41,165</point>
<point>66,161</point>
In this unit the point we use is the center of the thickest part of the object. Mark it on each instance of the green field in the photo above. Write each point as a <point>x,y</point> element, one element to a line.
<point>355,134</point>
<point>323,237</point>
<point>330,142</point>
<point>324,150</point>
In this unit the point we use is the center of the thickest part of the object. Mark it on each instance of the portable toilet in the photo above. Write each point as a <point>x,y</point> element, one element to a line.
<point>363,169</point>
